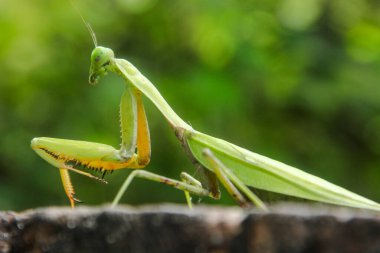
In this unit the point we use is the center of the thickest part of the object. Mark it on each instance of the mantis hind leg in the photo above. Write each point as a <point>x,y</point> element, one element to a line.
<point>190,186</point>
<point>231,182</point>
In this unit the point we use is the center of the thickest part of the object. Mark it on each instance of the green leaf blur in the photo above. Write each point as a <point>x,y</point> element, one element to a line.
<point>294,80</point>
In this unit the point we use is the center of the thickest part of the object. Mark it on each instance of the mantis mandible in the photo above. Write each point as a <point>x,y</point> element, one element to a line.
<point>235,167</point>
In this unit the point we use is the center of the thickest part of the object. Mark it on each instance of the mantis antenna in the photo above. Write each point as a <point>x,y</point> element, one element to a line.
<point>92,33</point>
<point>87,24</point>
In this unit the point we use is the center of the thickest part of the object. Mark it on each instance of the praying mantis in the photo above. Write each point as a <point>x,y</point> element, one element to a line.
<point>217,160</point>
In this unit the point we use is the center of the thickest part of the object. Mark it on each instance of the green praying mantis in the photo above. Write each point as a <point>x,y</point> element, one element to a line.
<point>217,160</point>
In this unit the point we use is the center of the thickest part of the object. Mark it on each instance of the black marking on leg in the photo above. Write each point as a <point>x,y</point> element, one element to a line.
<point>52,154</point>
<point>77,164</point>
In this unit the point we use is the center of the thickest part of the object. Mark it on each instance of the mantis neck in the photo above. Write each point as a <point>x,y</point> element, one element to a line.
<point>132,75</point>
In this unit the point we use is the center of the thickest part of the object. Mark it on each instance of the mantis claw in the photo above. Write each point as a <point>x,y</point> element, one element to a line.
<point>76,200</point>
<point>101,180</point>
<point>86,174</point>
<point>73,200</point>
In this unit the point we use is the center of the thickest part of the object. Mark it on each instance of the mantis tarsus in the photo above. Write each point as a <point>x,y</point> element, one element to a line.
<point>235,167</point>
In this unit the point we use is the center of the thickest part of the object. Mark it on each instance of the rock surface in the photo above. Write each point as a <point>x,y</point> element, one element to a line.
<point>171,228</point>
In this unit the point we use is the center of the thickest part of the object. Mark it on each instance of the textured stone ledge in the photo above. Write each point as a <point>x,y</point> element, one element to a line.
<point>171,228</point>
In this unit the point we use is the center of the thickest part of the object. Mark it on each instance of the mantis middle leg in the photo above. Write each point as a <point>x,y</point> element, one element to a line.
<point>190,185</point>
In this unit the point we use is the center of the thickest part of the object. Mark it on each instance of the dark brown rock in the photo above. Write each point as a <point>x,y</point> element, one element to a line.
<point>170,228</point>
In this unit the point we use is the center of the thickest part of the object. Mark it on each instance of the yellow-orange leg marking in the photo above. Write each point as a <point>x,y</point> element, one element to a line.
<point>143,136</point>
<point>68,186</point>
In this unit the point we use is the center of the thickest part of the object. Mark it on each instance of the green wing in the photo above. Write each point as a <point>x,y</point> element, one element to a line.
<point>264,173</point>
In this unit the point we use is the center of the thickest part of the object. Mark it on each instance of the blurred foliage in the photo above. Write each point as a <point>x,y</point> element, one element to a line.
<point>295,80</point>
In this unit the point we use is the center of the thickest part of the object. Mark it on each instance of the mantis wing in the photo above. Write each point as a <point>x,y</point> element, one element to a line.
<point>264,173</point>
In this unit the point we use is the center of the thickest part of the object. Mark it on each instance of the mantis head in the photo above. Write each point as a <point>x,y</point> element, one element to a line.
<point>101,60</point>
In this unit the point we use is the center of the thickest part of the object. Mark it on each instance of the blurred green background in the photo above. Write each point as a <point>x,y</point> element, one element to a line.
<point>294,80</point>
